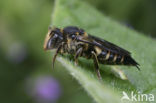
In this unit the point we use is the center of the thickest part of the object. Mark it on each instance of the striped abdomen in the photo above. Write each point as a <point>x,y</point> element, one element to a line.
<point>107,57</point>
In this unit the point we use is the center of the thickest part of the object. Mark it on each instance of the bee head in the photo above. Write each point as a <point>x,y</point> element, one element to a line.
<point>53,39</point>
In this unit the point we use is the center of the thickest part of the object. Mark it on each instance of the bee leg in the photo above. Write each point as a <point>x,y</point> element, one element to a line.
<point>96,64</point>
<point>78,53</point>
<point>57,51</point>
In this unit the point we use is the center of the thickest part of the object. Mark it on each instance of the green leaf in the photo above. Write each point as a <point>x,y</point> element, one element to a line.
<point>99,92</point>
<point>79,13</point>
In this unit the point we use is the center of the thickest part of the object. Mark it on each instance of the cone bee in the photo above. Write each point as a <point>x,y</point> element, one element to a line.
<point>77,42</point>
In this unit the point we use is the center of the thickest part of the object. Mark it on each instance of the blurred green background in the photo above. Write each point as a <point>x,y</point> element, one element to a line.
<point>26,74</point>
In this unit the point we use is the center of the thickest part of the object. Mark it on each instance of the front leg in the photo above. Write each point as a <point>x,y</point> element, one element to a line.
<point>96,64</point>
<point>57,51</point>
<point>78,53</point>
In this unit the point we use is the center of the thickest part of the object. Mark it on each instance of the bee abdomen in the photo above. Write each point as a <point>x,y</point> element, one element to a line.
<point>128,60</point>
<point>107,57</point>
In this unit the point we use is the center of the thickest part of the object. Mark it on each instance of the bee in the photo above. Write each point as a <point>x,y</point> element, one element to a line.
<point>75,41</point>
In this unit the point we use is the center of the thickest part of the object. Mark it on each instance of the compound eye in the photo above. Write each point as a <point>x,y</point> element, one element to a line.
<point>73,36</point>
<point>55,36</point>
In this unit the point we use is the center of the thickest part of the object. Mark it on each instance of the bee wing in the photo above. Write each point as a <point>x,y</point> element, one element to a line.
<point>105,45</point>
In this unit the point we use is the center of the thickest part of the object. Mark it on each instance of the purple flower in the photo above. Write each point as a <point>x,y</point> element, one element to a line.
<point>45,89</point>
